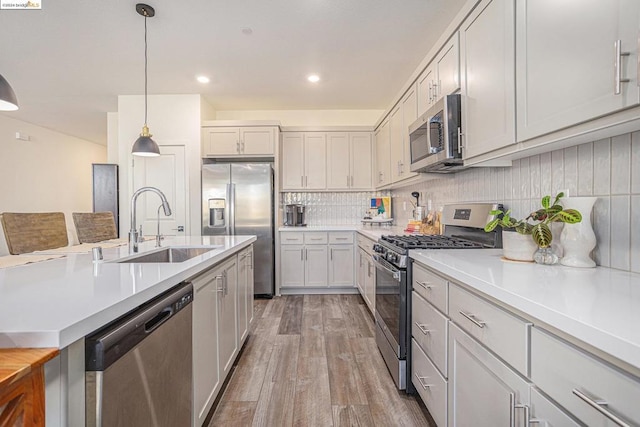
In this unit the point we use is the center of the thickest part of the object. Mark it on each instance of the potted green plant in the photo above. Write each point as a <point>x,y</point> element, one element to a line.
<point>540,230</point>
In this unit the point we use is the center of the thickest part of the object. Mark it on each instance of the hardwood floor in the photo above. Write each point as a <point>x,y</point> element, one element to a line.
<point>312,360</point>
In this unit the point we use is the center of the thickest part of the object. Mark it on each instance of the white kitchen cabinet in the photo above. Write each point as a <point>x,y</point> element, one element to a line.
<point>360,270</point>
<point>316,264</point>
<point>566,62</point>
<point>349,160</point>
<point>341,265</point>
<point>304,265</point>
<point>291,265</point>
<point>304,160</point>
<point>245,292</point>
<point>367,271</point>
<point>400,118</point>
<point>227,320</point>
<point>441,77</point>
<point>206,374</point>
<point>487,46</point>
<point>383,162</point>
<point>238,141</point>
<point>483,391</point>
<point>546,413</point>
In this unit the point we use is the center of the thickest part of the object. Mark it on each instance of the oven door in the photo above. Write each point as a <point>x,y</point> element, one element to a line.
<point>391,304</point>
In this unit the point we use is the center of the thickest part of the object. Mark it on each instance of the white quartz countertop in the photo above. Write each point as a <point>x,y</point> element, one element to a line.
<point>54,303</point>
<point>371,231</point>
<point>599,306</point>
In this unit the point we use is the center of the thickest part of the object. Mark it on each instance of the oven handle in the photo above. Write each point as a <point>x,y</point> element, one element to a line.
<point>395,273</point>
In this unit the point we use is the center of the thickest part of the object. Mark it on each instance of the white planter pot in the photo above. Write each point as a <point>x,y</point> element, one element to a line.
<point>518,247</point>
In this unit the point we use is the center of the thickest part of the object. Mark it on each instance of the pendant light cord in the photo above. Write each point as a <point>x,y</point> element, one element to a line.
<point>145,70</point>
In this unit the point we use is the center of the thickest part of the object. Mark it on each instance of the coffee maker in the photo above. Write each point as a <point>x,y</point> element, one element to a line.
<point>294,215</point>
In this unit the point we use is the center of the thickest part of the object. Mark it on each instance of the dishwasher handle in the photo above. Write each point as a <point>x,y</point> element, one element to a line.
<point>105,346</point>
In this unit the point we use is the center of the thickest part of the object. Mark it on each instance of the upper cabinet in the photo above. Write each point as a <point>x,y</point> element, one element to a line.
<point>441,77</point>
<point>349,160</point>
<point>250,141</point>
<point>304,161</point>
<point>383,164</point>
<point>487,46</point>
<point>576,61</point>
<point>405,113</point>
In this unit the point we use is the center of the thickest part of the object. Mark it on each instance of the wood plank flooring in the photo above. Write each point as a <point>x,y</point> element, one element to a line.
<point>312,360</point>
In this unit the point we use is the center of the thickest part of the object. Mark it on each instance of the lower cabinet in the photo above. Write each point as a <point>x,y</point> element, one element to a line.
<point>221,316</point>
<point>365,272</point>
<point>483,391</point>
<point>316,259</point>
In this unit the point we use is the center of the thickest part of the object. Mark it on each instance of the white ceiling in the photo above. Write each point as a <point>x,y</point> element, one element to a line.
<point>69,61</point>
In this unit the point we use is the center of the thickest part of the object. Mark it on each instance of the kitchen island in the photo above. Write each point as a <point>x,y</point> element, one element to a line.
<point>57,303</point>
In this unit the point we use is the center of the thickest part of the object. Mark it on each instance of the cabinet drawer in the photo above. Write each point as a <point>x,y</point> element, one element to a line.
<point>291,238</point>
<point>430,329</point>
<point>338,238</point>
<point>548,413</point>
<point>431,387</point>
<point>430,286</point>
<point>365,243</point>
<point>502,332</point>
<point>315,238</point>
<point>571,377</point>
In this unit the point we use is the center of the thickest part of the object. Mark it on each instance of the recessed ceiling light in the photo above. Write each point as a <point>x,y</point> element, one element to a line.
<point>246,30</point>
<point>313,78</point>
<point>203,79</point>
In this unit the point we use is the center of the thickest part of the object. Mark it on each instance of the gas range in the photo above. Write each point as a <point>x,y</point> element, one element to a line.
<point>395,249</point>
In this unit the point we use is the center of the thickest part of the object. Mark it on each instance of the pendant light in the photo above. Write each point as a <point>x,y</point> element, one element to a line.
<point>144,145</point>
<point>8,100</point>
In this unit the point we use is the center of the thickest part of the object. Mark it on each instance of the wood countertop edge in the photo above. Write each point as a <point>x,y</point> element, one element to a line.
<point>16,363</point>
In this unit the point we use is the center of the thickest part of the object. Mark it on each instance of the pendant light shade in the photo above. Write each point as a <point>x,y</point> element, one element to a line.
<point>8,100</point>
<point>144,145</point>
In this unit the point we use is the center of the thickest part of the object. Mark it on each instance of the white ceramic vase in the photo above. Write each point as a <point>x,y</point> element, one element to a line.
<point>518,247</point>
<point>578,240</point>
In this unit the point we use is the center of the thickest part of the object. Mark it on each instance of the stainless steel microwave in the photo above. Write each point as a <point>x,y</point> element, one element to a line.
<point>435,138</point>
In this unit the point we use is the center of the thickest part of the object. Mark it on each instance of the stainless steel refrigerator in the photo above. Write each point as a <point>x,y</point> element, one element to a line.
<point>237,198</point>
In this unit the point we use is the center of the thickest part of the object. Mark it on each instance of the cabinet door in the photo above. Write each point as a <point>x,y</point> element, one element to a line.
<point>426,96</point>
<point>221,142</point>
<point>488,82</point>
<point>341,265</point>
<point>315,161</point>
<point>292,265</point>
<point>316,265</point>
<point>548,414</point>
<point>292,161</point>
<point>257,141</point>
<point>243,294</point>
<point>338,162</point>
<point>566,62</point>
<point>250,281</point>
<point>383,163</point>
<point>482,390</point>
<point>370,285</point>
<point>409,115</point>
<point>396,154</point>
<point>360,271</point>
<point>448,64</point>
<point>206,377</point>
<point>227,304</point>
<point>361,158</point>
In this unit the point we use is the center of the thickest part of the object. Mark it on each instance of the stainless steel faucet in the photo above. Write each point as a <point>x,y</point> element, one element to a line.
<point>133,233</point>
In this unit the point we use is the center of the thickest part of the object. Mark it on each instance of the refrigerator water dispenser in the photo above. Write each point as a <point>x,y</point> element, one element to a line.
<point>216,212</point>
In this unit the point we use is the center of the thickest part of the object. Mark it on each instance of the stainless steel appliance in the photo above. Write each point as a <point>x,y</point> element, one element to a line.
<point>435,138</point>
<point>294,216</point>
<point>463,229</point>
<point>237,198</point>
<point>138,369</point>
<point>105,190</point>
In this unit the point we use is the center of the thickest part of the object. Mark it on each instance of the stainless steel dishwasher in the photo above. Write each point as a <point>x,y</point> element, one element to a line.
<point>138,369</point>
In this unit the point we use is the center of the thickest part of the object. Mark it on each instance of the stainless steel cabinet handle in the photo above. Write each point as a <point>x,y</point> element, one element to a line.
<point>347,180</point>
<point>618,67</point>
<point>422,383</point>
<point>242,146</point>
<point>368,269</point>
<point>459,140</point>
<point>290,238</point>
<point>301,181</point>
<point>352,180</point>
<point>422,328</point>
<point>238,147</point>
<point>472,319</point>
<point>342,238</point>
<point>435,91</point>
<point>306,254</point>
<point>218,287</point>
<point>425,285</point>
<point>225,283</point>
<point>331,254</point>
<point>430,96</point>
<point>599,405</point>
<point>301,254</point>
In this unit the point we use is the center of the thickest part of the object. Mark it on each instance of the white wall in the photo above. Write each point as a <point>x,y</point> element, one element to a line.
<point>307,117</point>
<point>172,120</point>
<point>49,173</point>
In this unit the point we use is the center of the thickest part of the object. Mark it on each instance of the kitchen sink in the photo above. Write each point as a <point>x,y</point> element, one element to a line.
<point>168,255</point>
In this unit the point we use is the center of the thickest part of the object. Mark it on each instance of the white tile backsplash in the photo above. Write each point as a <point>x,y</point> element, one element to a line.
<point>608,168</point>
<point>336,208</point>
